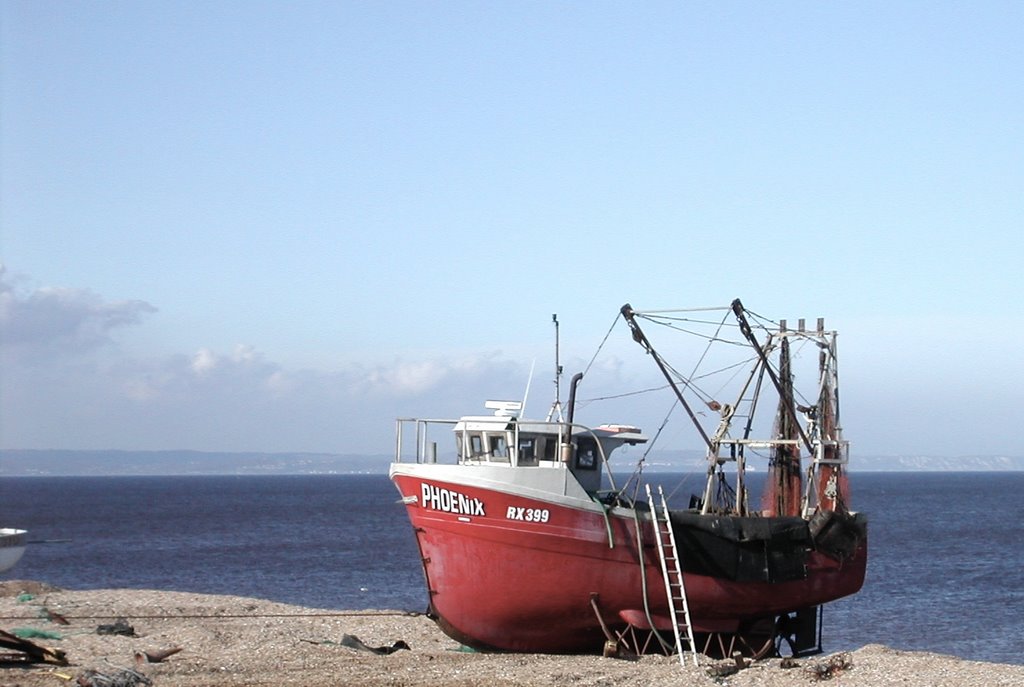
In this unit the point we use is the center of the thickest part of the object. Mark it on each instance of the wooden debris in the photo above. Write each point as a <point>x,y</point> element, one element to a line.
<point>156,655</point>
<point>54,617</point>
<point>29,652</point>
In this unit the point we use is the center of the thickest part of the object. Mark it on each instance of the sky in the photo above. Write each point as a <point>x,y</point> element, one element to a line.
<point>269,226</point>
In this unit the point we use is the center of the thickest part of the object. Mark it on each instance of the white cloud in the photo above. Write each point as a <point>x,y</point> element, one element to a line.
<point>280,383</point>
<point>407,379</point>
<point>203,361</point>
<point>52,321</point>
<point>90,394</point>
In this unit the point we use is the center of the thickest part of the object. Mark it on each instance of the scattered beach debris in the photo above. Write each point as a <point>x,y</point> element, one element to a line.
<point>155,656</point>
<point>828,669</point>
<point>53,617</point>
<point>789,662</point>
<point>124,677</point>
<point>726,668</point>
<point>28,652</point>
<point>118,627</point>
<point>35,633</point>
<point>353,642</point>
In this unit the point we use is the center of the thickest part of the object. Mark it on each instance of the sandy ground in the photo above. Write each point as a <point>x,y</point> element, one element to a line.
<point>226,640</point>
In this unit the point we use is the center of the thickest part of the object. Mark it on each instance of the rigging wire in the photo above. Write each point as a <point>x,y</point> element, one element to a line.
<point>688,382</point>
<point>692,327</point>
<point>660,321</point>
<point>638,470</point>
<point>601,345</point>
<point>689,326</point>
<point>708,347</point>
<point>626,394</point>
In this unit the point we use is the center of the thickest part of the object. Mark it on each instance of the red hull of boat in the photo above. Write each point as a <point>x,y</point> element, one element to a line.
<point>518,574</point>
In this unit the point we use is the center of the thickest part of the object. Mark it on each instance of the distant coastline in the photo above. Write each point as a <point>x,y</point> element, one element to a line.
<point>84,463</point>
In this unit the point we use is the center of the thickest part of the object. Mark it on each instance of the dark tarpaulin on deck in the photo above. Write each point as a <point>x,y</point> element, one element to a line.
<point>745,549</point>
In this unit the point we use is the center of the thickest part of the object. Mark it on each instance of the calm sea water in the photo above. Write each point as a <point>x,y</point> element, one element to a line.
<point>945,572</point>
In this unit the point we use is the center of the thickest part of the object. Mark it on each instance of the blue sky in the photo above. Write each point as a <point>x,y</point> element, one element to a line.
<point>277,226</point>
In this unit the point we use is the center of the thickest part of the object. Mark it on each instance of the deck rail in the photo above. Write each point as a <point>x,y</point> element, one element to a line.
<point>425,450</point>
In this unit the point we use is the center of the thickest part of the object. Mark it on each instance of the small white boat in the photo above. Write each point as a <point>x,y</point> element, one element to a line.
<point>12,546</point>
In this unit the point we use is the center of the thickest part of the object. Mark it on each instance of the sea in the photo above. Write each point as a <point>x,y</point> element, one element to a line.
<point>945,571</point>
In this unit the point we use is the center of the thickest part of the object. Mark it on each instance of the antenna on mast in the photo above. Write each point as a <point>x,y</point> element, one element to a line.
<point>529,381</point>
<point>556,407</point>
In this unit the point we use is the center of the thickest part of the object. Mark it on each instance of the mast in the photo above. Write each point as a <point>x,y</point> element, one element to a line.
<point>787,393</point>
<point>784,485</point>
<point>556,407</point>
<point>831,481</point>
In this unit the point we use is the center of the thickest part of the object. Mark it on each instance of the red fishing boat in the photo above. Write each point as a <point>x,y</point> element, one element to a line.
<point>528,544</point>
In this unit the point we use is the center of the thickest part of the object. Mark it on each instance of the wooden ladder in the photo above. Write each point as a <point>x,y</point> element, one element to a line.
<point>672,571</point>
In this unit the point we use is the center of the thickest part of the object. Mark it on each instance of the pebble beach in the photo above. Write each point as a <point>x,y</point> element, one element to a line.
<point>181,639</point>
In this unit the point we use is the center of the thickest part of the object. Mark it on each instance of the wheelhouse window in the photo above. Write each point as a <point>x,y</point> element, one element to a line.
<point>586,455</point>
<point>527,454</point>
<point>499,448</point>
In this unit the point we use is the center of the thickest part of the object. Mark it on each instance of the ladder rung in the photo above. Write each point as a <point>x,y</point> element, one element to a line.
<point>675,589</point>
